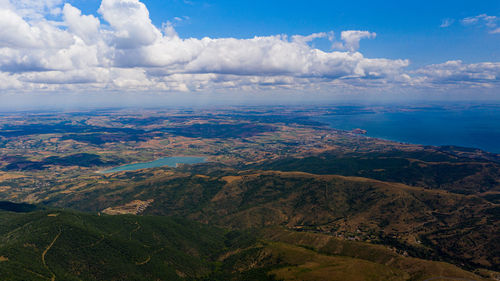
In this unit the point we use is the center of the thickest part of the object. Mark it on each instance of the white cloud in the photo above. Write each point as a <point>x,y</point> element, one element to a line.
<point>470,20</point>
<point>85,27</point>
<point>458,73</point>
<point>259,56</point>
<point>15,32</point>
<point>126,52</point>
<point>446,23</point>
<point>306,39</point>
<point>8,81</point>
<point>36,9</point>
<point>351,39</point>
<point>130,22</point>
<point>491,22</point>
<point>169,30</point>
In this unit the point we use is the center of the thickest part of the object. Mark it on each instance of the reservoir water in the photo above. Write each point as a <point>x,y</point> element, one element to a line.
<point>167,161</point>
<point>473,127</point>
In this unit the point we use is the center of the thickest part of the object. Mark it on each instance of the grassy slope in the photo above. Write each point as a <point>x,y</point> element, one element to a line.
<point>382,263</point>
<point>306,264</point>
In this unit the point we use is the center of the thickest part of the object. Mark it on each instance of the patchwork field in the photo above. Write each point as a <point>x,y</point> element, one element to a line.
<point>281,197</point>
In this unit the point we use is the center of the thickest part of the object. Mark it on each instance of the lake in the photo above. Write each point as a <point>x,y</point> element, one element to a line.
<point>474,127</point>
<point>166,161</point>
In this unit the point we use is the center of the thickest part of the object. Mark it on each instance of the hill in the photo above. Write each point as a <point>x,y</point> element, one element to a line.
<point>67,245</point>
<point>436,169</point>
<point>425,223</point>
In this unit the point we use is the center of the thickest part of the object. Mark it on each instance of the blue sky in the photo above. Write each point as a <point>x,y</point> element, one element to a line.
<point>405,29</point>
<point>445,49</point>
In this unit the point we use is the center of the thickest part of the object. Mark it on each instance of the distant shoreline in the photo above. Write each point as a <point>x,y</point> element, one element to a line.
<point>468,128</point>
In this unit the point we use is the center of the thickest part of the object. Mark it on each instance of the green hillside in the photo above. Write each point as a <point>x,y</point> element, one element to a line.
<point>425,223</point>
<point>66,245</point>
<point>430,169</point>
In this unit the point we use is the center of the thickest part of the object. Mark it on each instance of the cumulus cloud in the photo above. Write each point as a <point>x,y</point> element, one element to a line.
<point>126,51</point>
<point>351,39</point>
<point>15,32</point>
<point>458,73</point>
<point>130,22</point>
<point>84,26</point>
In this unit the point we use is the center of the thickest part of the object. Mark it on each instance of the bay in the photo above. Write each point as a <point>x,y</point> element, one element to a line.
<point>468,127</point>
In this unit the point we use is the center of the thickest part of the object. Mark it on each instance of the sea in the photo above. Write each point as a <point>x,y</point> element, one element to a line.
<point>474,126</point>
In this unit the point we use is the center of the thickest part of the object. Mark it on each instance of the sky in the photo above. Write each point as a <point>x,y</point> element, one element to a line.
<point>121,50</point>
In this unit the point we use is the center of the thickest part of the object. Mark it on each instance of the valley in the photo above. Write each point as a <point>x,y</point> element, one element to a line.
<point>281,196</point>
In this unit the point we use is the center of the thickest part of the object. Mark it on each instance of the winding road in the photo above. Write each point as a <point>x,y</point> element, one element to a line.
<point>53,277</point>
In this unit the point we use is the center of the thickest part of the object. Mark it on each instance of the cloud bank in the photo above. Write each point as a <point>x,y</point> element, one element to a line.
<point>122,50</point>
